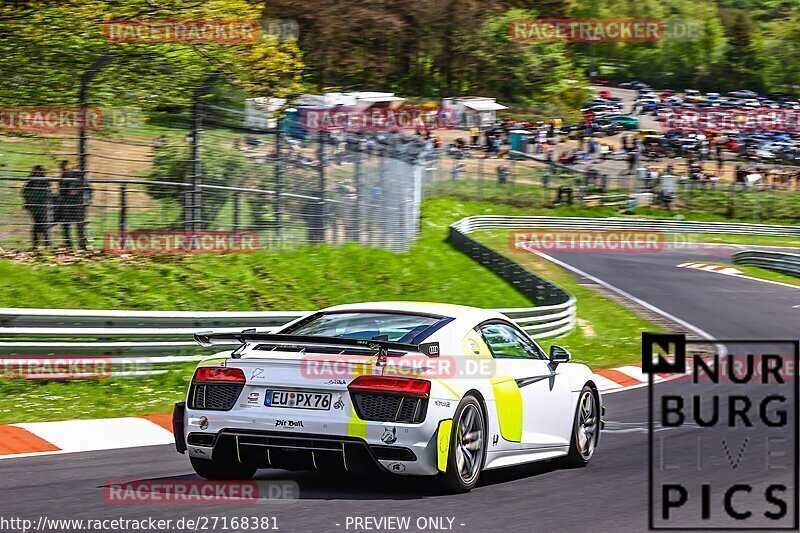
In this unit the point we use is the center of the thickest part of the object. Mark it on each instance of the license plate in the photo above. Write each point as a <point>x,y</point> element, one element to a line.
<point>298,400</point>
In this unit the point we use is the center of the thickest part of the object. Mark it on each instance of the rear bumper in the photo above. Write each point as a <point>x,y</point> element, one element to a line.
<point>265,439</point>
<point>300,451</point>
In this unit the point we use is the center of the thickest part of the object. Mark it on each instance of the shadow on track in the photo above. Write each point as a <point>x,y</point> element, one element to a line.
<point>322,486</point>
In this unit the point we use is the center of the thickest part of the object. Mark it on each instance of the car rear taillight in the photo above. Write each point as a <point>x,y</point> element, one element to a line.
<point>218,375</point>
<point>415,388</point>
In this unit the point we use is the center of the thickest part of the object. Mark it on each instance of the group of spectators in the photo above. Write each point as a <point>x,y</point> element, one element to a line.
<point>66,206</point>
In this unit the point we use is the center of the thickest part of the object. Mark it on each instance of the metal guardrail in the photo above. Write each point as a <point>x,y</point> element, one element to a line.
<point>485,222</point>
<point>155,339</point>
<point>555,315</point>
<point>784,262</point>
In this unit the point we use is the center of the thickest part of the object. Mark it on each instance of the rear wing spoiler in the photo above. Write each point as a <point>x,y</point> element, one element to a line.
<point>208,338</point>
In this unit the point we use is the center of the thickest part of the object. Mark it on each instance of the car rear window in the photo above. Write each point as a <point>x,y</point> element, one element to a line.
<point>397,327</point>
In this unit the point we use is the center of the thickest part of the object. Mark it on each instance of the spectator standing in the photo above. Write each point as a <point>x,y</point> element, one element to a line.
<point>458,167</point>
<point>502,175</point>
<point>73,199</point>
<point>38,201</point>
<point>474,132</point>
<point>741,174</point>
<point>631,162</point>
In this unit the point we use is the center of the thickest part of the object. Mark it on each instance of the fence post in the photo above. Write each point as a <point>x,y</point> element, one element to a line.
<point>195,163</point>
<point>123,207</point>
<point>513,177</point>
<point>480,177</point>
<point>196,205</point>
<point>49,218</point>
<point>279,182</point>
<point>237,211</point>
<point>359,194</point>
<point>83,141</point>
<point>319,235</point>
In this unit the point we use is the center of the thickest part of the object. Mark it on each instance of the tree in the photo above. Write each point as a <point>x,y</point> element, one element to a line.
<point>48,46</point>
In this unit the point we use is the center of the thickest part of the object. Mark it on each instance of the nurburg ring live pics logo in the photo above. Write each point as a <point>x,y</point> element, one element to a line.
<point>723,433</point>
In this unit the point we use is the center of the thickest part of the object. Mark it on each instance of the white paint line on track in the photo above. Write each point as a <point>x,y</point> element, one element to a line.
<point>690,327</point>
<point>772,282</point>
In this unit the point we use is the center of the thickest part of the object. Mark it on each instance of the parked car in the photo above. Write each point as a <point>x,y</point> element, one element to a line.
<point>636,85</point>
<point>627,122</point>
<point>743,93</point>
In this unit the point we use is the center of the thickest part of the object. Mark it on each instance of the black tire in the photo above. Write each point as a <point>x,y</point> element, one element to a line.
<point>222,470</point>
<point>458,479</point>
<point>580,450</point>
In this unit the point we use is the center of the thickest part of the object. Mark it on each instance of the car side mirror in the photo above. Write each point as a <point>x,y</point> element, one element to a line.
<point>559,354</point>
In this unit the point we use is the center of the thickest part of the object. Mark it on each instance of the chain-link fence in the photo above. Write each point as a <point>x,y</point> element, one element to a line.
<point>201,168</point>
<point>527,182</point>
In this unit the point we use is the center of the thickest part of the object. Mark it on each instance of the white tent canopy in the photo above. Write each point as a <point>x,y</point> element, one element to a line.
<point>482,105</point>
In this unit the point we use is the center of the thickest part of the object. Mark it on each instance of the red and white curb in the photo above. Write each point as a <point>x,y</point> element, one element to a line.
<point>611,380</point>
<point>719,269</point>
<point>70,436</point>
<point>46,438</point>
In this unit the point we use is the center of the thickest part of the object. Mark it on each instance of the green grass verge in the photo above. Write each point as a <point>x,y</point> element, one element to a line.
<point>34,401</point>
<point>301,278</point>
<point>764,273</point>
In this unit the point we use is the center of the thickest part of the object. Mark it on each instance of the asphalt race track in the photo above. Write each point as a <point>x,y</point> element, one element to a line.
<point>609,495</point>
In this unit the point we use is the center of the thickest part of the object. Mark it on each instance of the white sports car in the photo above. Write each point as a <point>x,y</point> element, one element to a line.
<point>410,388</point>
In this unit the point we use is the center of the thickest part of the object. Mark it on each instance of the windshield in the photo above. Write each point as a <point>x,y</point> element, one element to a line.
<point>395,326</point>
